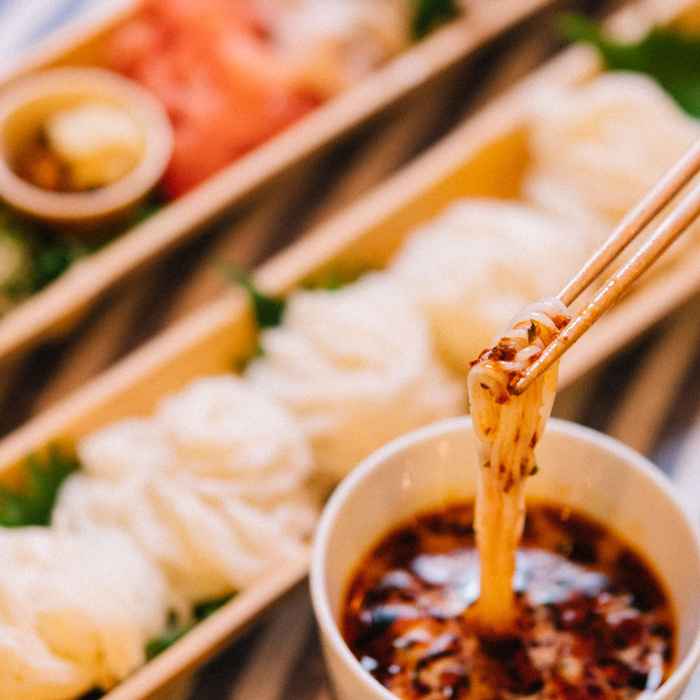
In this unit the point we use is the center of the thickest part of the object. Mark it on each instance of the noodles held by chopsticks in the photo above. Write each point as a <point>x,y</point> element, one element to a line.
<point>507,428</point>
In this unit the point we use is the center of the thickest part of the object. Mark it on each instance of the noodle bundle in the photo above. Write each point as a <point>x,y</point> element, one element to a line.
<point>222,428</point>
<point>507,428</point>
<point>31,672</point>
<point>597,149</point>
<point>76,611</point>
<point>356,368</point>
<point>218,496</point>
<point>479,262</point>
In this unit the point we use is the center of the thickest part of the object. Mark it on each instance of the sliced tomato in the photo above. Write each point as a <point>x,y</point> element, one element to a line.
<point>224,89</point>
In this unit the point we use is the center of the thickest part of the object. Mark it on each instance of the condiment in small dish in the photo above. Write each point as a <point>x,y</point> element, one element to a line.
<point>80,146</point>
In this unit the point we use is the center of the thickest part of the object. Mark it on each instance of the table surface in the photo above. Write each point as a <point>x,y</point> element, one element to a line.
<point>648,395</point>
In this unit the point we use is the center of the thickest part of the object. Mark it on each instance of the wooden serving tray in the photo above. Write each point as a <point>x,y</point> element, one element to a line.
<point>486,155</point>
<point>57,307</point>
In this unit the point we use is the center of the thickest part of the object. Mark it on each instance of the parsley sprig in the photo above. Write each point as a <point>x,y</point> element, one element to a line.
<point>665,54</point>
<point>268,309</point>
<point>430,14</point>
<point>201,611</point>
<point>33,504</point>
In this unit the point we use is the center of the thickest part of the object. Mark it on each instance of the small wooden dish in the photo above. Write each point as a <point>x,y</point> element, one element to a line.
<point>24,110</point>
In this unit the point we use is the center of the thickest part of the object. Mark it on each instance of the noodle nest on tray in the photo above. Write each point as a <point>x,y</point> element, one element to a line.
<point>191,504</point>
<point>221,499</point>
<point>478,263</point>
<point>598,149</point>
<point>356,367</point>
<point>76,611</point>
<point>605,144</point>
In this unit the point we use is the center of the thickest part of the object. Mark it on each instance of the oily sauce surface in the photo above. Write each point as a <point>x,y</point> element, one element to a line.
<point>593,621</point>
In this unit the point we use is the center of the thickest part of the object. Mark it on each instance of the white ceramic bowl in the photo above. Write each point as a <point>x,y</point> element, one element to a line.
<point>25,106</point>
<point>578,467</point>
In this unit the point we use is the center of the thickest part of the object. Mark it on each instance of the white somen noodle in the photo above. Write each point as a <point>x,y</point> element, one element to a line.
<point>507,428</point>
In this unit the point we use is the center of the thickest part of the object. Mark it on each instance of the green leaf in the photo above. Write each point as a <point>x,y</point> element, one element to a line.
<point>205,608</point>
<point>159,644</point>
<point>667,56</point>
<point>49,256</point>
<point>52,259</point>
<point>336,278</point>
<point>430,14</point>
<point>34,504</point>
<point>201,611</point>
<point>13,509</point>
<point>268,310</point>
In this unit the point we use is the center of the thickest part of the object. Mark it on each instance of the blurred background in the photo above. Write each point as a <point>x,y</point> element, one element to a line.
<point>258,225</point>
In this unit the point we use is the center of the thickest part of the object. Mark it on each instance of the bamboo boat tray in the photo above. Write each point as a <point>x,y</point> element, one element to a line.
<point>55,309</point>
<point>485,155</point>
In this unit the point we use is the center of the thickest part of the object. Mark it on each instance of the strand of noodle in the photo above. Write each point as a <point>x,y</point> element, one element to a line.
<point>507,429</point>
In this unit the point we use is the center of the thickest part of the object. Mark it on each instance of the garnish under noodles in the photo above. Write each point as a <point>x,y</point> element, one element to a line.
<point>507,428</point>
<point>268,309</point>
<point>429,14</point>
<point>34,503</point>
<point>159,644</point>
<point>669,56</point>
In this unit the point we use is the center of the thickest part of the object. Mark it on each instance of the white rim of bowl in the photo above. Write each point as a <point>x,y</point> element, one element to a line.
<point>110,198</point>
<point>317,580</point>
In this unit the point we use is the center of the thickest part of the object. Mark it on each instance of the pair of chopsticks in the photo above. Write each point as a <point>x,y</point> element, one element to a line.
<point>636,220</point>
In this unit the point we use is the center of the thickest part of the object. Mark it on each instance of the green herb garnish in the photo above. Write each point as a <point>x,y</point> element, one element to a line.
<point>40,257</point>
<point>52,259</point>
<point>207,607</point>
<point>671,58</point>
<point>160,643</point>
<point>268,309</point>
<point>337,277</point>
<point>430,14</point>
<point>201,611</point>
<point>45,256</point>
<point>33,504</point>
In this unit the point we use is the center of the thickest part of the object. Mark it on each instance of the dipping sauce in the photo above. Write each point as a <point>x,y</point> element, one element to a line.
<point>593,621</point>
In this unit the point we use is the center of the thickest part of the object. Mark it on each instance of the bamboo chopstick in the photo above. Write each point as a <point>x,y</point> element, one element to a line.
<point>636,220</point>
